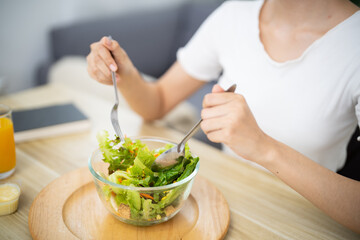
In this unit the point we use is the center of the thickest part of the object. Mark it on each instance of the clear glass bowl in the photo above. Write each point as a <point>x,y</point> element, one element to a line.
<point>178,191</point>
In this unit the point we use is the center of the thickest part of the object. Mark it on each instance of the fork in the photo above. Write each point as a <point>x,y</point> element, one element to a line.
<point>170,157</point>
<point>114,113</point>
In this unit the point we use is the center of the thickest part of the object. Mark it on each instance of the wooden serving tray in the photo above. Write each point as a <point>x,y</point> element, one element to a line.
<point>70,208</point>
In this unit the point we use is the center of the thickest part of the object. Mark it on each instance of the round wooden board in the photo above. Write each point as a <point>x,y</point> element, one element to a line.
<point>70,208</point>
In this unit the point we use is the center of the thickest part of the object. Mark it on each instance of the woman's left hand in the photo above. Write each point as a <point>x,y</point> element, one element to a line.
<point>227,119</point>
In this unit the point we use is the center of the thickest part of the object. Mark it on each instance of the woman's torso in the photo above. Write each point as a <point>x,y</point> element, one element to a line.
<point>307,103</point>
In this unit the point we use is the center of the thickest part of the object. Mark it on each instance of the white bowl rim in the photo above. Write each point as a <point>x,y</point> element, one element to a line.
<point>144,189</point>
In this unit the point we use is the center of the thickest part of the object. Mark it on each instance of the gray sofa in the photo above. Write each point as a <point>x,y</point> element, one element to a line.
<point>151,39</point>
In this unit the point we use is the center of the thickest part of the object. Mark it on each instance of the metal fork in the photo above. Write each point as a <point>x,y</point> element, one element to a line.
<point>170,156</point>
<point>114,113</point>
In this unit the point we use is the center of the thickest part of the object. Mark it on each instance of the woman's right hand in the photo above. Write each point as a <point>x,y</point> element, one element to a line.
<point>107,55</point>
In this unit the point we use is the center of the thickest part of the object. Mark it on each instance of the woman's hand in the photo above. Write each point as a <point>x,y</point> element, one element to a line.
<point>107,55</point>
<point>151,100</point>
<point>227,119</point>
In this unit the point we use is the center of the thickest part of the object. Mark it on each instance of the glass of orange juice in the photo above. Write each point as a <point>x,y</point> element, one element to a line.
<point>7,143</point>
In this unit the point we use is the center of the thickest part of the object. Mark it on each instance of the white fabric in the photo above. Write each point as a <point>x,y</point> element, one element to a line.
<point>309,103</point>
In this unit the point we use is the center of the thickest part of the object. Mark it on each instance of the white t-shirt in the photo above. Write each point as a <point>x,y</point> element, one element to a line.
<point>311,104</point>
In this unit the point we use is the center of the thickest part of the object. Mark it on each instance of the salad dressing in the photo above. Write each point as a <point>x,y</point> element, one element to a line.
<point>9,197</point>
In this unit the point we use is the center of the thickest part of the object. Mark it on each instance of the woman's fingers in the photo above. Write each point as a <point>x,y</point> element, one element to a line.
<point>105,55</point>
<point>216,111</point>
<point>91,65</point>
<point>214,99</point>
<point>218,129</point>
<point>98,70</point>
<point>106,42</point>
<point>100,77</point>
<point>104,69</point>
<point>215,136</point>
<point>113,46</point>
<point>101,63</point>
<point>217,89</point>
<point>213,124</point>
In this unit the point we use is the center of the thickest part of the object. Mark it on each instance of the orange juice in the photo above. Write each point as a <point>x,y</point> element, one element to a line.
<point>7,145</point>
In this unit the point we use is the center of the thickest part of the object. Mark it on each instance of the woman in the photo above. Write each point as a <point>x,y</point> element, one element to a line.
<point>297,69</point>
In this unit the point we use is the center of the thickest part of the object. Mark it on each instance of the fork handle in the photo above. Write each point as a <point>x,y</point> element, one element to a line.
<point>195,128</point>
<point>115,87</point>
<point>113,76</point>
<point>116,125</point>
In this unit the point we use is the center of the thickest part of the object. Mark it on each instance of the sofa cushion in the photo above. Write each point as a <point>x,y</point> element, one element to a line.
<point>147,37</point>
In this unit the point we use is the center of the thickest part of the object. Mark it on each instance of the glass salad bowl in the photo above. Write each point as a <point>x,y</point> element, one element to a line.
<point>141,206</point>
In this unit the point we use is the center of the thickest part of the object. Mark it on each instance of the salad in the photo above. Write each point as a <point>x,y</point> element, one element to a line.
<point>130,165</point>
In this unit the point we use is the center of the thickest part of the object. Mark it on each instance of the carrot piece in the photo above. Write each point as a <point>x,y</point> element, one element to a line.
<point>144,195</point>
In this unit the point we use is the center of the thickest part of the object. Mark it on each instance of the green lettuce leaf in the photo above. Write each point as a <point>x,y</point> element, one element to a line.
<point>189,168</point>
<point>119,159</point>
<point>134,200</point>
<point>163,149</point>
<point>130,165</point>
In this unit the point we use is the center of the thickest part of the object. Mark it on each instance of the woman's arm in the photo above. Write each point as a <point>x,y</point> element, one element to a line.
<point>150,100</point>
<point>336,195</point>
<point>228,119</point>
<point>154,100</point>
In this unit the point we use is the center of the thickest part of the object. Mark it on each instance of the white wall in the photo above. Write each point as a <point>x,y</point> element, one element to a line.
<point>24,26</point>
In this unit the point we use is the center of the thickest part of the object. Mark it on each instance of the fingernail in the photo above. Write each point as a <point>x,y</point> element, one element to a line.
<point>108,42</point>
<point>112,67</point>
<point>117,78</point>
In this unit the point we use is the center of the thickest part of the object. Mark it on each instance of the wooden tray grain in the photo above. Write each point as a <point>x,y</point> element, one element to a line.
<point>69,208</point>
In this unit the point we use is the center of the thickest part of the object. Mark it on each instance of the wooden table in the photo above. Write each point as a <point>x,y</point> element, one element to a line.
<point>262,207</point>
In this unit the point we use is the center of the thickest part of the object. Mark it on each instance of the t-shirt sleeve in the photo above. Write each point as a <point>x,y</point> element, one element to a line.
<point>200,57</point>
<point>356,95</point>
<point>357,108</point>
